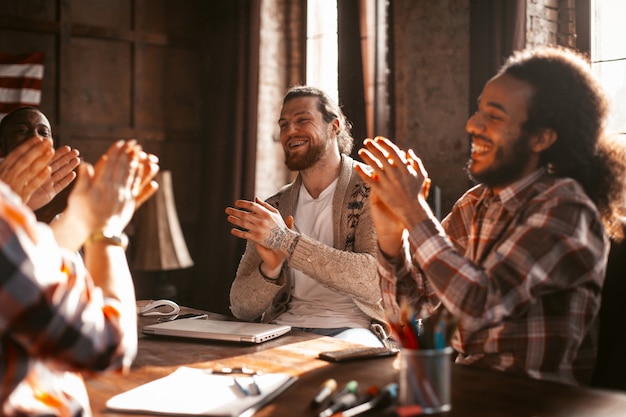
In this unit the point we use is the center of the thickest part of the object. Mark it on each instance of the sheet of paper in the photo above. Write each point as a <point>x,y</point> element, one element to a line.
<point>198,392</point>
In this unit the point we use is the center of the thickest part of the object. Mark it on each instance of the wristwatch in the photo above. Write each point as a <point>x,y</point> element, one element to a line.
<point>109,238</point>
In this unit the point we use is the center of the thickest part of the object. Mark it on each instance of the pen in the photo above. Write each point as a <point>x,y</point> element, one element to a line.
<point>410,338</point>
<point>257,389</point>
<point>241,388</point>
<point>326,390</point>
<point>246,390</point>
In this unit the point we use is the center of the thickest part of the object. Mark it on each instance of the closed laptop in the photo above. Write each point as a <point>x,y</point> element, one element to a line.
<point>228,331</point>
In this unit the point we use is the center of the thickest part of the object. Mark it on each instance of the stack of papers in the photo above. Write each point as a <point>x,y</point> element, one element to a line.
<point>193,391</point>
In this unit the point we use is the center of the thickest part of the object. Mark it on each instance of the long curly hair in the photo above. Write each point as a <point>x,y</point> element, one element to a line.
<point>569,100</point>
<point>330,111</point>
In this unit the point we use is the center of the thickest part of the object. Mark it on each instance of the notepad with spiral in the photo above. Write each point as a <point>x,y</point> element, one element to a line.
<point>198,392</point>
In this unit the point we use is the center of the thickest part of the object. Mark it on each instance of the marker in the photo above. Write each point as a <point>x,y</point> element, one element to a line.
<point>439,336</point>
<point>342,402</point>
<point>371,393</point>
<point>345,398</point>
<point>403,411</point>
<point>350,387</point>
<point>326,390</point>
<point>379,402</point>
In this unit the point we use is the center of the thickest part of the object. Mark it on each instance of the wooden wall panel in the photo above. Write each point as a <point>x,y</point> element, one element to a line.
<point>171,17</point>
<point>33,9</point>
<point>167,88</point>
<point>107,13</point>
<point>100,82</point>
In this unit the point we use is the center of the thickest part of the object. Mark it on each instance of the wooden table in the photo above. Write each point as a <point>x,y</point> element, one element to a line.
<point>475,392</point>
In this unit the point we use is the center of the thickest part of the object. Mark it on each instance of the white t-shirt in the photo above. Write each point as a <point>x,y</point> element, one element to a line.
<point>312,305</point>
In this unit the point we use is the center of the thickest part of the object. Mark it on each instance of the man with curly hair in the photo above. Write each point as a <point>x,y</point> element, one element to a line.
<point>520,260</point>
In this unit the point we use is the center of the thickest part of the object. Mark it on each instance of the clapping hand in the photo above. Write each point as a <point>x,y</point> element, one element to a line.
<point>107,194</point>
<point>263,224</point>
<point>62,166</point>
<point>27,167</point>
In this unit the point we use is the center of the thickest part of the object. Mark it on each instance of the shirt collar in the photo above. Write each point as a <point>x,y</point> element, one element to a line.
<point>510,191</point>
<point>511,196</point>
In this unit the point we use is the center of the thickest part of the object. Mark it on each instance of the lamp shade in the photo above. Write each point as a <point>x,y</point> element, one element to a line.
<point>159,241</point>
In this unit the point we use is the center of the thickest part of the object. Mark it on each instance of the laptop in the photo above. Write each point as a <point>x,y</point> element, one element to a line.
<point>218,330</point>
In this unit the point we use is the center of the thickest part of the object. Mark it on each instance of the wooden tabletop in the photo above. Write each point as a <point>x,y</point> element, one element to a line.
<point>475,392</point>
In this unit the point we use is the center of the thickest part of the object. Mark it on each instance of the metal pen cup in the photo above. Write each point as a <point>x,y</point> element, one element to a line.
<point>425,379</point>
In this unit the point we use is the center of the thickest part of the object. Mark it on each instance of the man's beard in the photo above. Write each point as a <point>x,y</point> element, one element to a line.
<point>507,166</point>
<point>298,163</point>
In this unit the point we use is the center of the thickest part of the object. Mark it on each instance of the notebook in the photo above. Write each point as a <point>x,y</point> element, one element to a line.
<point>229,331</point>
<point>190,391</point>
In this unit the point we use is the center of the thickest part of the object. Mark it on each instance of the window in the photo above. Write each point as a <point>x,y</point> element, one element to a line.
<point>321,47</point>
<point>608,56</point>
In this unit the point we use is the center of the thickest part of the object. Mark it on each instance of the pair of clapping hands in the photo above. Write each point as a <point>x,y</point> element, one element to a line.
<point>105,195</point>
<point>37,172</point>
<point>400,187</point>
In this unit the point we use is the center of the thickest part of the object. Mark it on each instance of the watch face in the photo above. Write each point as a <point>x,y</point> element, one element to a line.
<point>110,238</point>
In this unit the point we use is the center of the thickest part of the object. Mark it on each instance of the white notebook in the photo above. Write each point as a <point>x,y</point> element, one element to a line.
<point>229,331</point>
<point>190,391</point>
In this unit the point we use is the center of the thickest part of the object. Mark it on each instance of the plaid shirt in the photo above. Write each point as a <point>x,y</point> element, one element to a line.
<point>522,271</point>
<point>53,321</point>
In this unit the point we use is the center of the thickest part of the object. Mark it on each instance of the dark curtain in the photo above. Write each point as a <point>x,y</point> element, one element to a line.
<point>231,62</point>
<point>497,28</point>
<point>611,362</point>
<point>354,76</point>
<point>350,68</point>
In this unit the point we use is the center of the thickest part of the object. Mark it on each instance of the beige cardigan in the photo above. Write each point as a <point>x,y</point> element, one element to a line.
<point>349,267</point>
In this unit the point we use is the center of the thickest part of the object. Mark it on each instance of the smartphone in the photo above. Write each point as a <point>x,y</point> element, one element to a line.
<point>184,316</point>
<point>352,354</point>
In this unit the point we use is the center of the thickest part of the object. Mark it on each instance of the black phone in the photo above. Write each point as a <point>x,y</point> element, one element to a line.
<point>351,354</point>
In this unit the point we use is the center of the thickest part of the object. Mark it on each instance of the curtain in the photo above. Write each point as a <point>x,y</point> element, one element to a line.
<point>351,83</point>
<point>363,79</point>
<point>231,63</point>
<point>497,28</point>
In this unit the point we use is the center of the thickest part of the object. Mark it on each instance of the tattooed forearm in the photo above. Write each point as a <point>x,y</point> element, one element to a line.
<point>283,240</point>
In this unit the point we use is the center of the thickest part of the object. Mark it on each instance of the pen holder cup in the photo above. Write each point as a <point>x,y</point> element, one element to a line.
<point>425,379</point>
